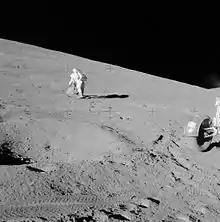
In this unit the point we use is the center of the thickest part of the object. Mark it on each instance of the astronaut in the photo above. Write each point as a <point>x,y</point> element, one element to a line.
<point>77,81</point>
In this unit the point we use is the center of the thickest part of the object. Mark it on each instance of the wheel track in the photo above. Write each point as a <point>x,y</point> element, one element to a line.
<point>50,207</point>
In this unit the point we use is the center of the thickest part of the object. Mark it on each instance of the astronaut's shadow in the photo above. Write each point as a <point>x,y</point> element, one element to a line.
<point>110,96</point>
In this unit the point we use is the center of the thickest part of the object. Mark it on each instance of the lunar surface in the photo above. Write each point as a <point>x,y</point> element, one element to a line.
<point>119,154</point>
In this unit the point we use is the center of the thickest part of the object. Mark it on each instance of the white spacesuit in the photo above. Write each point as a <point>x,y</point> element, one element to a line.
<point>77,81</point>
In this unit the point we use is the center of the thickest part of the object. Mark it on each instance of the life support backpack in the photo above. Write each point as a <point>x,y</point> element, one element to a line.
<point>80,75</point>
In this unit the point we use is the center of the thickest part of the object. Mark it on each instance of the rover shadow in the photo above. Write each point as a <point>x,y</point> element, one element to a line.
<point>110,96</point>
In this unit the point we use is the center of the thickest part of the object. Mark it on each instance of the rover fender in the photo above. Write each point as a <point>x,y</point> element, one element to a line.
<point>194,125</point>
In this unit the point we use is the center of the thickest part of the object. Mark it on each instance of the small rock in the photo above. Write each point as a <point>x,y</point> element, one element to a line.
<point>182,217</point>
<point>125,214</point>
<point>143,203</point>
<point>131,207</point>
<point>154,200</point>
<point>200,208</point>
<point>100,217</point>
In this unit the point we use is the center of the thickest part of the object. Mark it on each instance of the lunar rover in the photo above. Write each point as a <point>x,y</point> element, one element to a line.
<point>202,130</point>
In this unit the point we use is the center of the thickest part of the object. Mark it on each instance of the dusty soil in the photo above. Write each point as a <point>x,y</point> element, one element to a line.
<point>117,155</point>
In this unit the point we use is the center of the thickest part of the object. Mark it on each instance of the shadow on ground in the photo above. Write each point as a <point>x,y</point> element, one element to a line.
<point>34,169</point>
<point>213,145</point>
<point>110,96</point>
<point>7,157</point>
<point>10,160</point>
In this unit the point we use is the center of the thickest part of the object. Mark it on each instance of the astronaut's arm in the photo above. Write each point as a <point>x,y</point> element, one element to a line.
<point>71,81</point>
